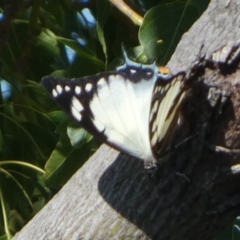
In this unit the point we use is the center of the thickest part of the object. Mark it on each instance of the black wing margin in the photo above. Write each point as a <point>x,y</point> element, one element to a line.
<point>74,97</point>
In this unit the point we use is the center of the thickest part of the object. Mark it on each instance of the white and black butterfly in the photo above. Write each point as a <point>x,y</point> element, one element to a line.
<point>134,109</point>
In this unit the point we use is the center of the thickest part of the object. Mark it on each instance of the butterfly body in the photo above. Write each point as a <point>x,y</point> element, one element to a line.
<point>132,109</point>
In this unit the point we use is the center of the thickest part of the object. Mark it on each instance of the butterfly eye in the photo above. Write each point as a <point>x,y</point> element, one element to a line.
<point>149,73</point>
<point>132,70</point>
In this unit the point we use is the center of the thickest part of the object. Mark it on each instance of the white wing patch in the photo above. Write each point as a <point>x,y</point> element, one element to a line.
<point>76,108</point>
<point>76,104</point>
<point>121,108</point>
<point>77,115</point>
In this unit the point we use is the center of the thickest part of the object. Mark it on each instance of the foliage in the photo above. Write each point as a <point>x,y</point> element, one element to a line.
<point>71,39</point>
<point>231,232</point>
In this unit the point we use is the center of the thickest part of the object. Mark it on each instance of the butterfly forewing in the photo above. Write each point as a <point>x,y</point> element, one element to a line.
<point>113,106</point>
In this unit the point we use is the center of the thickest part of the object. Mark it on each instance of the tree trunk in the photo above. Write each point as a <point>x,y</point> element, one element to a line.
<point>196,192</point>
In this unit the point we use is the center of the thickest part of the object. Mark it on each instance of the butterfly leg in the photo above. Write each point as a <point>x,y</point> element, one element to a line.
<point>219,149</point>
<point>217,99</point>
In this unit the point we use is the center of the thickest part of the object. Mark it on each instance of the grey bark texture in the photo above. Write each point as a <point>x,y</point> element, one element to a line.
<point>111,197</point>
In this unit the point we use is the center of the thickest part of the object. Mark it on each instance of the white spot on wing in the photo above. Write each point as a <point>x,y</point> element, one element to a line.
<point>67,88</point>
<point>133,70</point>
<point>101,83</point>
<point>88,87</point>
<point>76,104</point>
<point>77,115</point>
<point>78,90</point>
<point>59,89</point>
<point>54,93</point>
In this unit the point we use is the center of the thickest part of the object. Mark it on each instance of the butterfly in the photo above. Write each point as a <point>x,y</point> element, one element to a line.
<point>134,109</point>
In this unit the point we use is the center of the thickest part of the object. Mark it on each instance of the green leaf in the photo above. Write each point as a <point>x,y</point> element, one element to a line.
<point>46,50</point>
<point>164,25</point>
<point>53,14</point>
<point>84,63</point>
<point>77,135</point>
<point>102,15</point>
<point>65,158</point>
<point>57,117</point>
<point>4,237</point>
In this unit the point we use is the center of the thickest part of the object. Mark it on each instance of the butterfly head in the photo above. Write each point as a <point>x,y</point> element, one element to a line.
<point>151,69</point>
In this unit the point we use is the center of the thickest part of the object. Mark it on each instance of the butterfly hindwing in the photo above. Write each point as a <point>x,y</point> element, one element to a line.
<point>166,101</point>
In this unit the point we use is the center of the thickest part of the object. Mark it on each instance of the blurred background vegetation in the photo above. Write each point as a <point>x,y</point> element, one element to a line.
<point>39,145</point>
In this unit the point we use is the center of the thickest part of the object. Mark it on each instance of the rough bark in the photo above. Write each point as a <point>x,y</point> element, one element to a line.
<point>111,197</point>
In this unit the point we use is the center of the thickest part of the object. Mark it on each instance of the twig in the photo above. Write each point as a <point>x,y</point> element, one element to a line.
<point>124,8</point>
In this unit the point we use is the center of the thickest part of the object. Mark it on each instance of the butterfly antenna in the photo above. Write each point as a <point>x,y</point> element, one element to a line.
<point>124,52</point>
